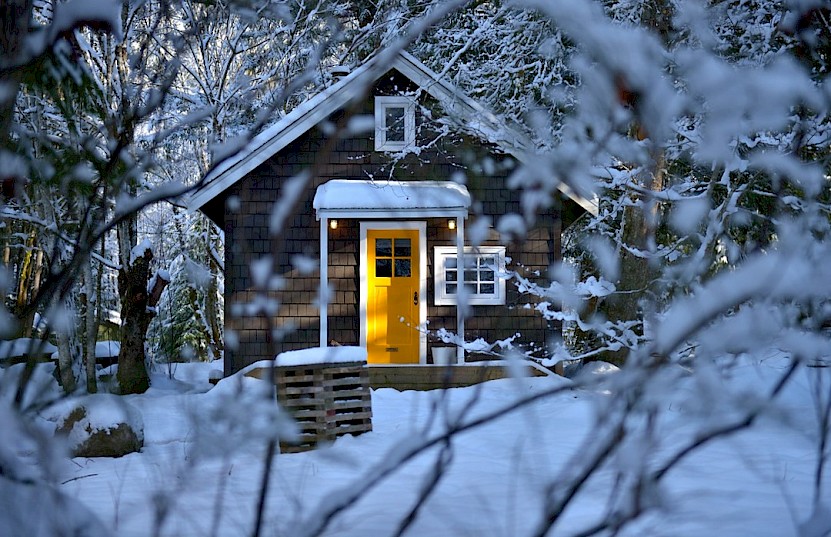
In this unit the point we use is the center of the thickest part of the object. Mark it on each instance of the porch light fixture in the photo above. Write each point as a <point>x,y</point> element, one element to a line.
<point>333,224</point>
<point>451,224</point>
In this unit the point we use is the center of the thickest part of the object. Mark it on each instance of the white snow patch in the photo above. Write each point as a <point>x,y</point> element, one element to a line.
<point>321,355</point>
<point>215,374</point>
<point>69,14</point>
<point>140,250</point>
<point>599,368</point>
<point>594,287</point>
<point>107,349</point>
<point>19,347</point>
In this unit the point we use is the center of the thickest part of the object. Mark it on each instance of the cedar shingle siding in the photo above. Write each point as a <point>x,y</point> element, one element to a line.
<point>246,210</point>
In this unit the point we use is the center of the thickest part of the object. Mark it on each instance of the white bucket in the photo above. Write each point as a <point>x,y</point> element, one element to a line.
<point>444,355</point>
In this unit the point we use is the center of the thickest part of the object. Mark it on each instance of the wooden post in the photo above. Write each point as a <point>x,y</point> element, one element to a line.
<point>324,280</point>
<point>460,270</point>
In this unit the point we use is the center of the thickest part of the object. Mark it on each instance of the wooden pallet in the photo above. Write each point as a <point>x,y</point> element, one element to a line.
<point>326,400</point>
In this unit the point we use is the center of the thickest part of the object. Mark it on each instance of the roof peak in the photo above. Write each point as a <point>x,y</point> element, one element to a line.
<point>472,116</point>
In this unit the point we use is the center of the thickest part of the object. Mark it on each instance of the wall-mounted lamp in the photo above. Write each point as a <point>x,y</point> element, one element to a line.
<point>333,224</point>
<point>451,224</point>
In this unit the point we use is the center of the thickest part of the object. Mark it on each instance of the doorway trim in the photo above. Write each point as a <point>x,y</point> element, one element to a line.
<point>387,204</point>
<point>421,227</point>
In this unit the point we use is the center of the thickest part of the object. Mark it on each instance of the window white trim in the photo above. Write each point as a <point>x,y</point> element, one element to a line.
<point>382,104</point>
<point>476,258</point>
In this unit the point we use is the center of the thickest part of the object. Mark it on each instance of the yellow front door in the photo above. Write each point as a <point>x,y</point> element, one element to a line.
<point>392,312</point>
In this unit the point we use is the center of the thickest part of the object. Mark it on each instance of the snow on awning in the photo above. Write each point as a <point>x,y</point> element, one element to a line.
<point>389,199</point>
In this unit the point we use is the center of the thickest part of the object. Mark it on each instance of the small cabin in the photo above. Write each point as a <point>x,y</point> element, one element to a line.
<point>392,190</point>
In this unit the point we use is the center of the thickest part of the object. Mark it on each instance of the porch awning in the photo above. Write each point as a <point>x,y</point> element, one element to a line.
<point>354,198</point>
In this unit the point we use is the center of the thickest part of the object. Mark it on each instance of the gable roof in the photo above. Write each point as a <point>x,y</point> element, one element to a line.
<point>453,101</point>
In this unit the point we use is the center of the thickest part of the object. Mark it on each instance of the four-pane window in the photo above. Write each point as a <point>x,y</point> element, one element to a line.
<point>393,258</point>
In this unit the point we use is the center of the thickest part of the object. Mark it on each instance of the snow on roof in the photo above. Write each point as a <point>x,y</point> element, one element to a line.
<point>461,108</point>
<point>343,194</point>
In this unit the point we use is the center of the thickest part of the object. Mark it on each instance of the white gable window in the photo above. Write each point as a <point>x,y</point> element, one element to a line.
<point>394,123</point>
<point>480,275</point>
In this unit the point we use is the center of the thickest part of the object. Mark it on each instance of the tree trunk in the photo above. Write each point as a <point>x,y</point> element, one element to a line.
<point>640,222</point>
<point>137,310</point>
<point>135,318</point>
<point>89,324</point>
<point>212,320</point>
<point>23,276</point>
<point>637,272</point>
<point>27,314</point>
<point>14,16</point>
<point>132,373</point>
<point>635,277</point>
<point>65,362</point>
<point>211,309</point>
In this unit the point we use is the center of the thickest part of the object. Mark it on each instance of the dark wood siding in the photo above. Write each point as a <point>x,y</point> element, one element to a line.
<point>256,332</point>
<point>530,258</point>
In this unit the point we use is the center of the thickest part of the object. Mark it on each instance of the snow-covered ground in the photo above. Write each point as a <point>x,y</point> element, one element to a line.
<point>201,468</point>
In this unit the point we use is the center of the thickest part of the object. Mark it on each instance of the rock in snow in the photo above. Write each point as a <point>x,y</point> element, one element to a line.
<point>100,425</point>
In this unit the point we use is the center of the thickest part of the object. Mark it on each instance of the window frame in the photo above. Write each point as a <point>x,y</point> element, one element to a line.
<point>442,298</point>
<point>382,103</point>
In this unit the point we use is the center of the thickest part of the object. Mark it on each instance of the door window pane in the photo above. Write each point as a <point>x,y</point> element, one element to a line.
<point>383,247</point>
<point>383,268</point>
<point>402,248</point>
<point>402,268</point>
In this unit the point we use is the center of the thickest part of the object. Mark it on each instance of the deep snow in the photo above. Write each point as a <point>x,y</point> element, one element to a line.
<point>202,463</point>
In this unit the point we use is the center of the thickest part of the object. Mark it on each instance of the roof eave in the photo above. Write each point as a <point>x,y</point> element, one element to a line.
<point>278,136</point>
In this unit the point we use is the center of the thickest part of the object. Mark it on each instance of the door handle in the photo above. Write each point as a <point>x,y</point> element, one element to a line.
<point>415,298</point>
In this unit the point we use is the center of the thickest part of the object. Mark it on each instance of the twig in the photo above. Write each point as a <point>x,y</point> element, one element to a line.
<point>77,478</point>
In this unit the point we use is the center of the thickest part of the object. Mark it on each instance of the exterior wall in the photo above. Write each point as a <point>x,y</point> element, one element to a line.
<point>530,258</point>
<point>290,318</point>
